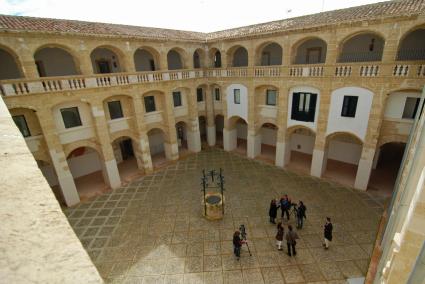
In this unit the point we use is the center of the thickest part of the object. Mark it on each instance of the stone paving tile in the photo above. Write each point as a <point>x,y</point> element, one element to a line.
<point>132,240</point>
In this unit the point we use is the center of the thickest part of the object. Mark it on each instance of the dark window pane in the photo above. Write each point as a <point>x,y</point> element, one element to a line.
<point>410,108</point>
<point>237,96</point>
<point>21,123</point>
<point>271,97</point>
<point>115,110</point>
<point>303,106</point>
<point>71,117</point>
<point>349,106</point>
<point>199,95</point>
<point>177,99</point>
<point>217,94</point>
<point>150,103</point>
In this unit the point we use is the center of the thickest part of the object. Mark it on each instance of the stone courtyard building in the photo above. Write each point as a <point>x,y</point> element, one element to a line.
<point>334,95</point>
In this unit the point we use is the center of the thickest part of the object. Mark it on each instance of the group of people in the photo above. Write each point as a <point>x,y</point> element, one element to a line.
<point>291,236</point>
<point>285,205</point>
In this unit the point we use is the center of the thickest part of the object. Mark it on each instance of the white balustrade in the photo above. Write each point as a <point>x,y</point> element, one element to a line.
<point>421,71</point>
<point>369,70</point>
<point>401,70</point>
<point>343,71</point>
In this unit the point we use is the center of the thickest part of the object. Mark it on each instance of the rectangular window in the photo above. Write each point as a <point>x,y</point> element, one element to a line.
<point>71,117</point>
<point>199,95</point>
<point>410,108</point>
<point>271,97</point>
<point>217,94</point>
<point>237,96</point>
<point>150,103</point>
<point>21,123</point>
<point>177,99</point>
<point>303,106</point>
<point>115,110</point>
<point>349,106</point>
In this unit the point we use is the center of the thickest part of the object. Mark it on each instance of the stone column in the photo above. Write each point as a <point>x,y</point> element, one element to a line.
<point>229,139</point>
<point>109,168</point>
<point>29,69</point>
<point>254,143</point>
<point>143,154</point>
<point>171,146</point>
<point>60,164</point>
<point>282,145</point>
<point>209,102</point>
<point>320,152</point>
<point>128,61</point>
<point>364,168</point>
<point>193,132</point>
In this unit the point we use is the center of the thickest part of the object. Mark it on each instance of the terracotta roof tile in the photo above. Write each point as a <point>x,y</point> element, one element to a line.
<point>366,12</point>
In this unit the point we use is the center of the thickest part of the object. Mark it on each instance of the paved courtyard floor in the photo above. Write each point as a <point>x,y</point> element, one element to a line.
<point>152,230</point>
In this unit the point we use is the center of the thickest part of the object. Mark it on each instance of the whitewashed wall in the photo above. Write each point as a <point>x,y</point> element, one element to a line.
<point>305,143</point>
<point>85,164</point>
<point>156,143</point>
<point>268,136</point>
<point>356,125</point>
<point>237,109</point>
<point>395,104</point>
<point>344,152</point>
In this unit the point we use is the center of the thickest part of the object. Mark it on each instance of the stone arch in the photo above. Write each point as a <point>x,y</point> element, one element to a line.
<point>309,50</point>
<point>56,60</point>
<point>332,135</point>
<point>260,94</point>
<point>408,44</point>
<point>69,148</point>
<point>267,131</point>
<point>198,58</point>
<point>237,56</point>
<point>362,46</point>
<point>11,66</point>
<point>127,154</point>
<point>235,134</point>
<point>268,53</point>
<point>125,104</point>
<point>146,58</point>
<point>391,139</point>
<point>215,56</point>
<point>107,59</point>
<point>176,59</point>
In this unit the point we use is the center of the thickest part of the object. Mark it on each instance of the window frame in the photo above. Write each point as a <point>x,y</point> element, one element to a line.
<point>25,124</point>
<point>237,96</point>
<point>199,95</point>
<point>179,100</point>
<point>415,109</point>
<point>120,109</point>
<point>267,97</point>
<point>217,95</point>
<point>304,107</point>
<point>145,100</point>
<point>347,109</point>
<point>77,111</point>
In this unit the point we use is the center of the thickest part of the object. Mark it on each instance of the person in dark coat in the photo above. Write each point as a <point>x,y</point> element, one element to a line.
<point>237,243</point>
<point>285,205</point>
<point>327,232</point>
<point>273,211</point>
<point>279,236</point>
<point>291,241</point>
<point>301,214</point>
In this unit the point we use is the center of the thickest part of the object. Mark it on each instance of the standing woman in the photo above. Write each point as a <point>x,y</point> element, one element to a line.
<point>273,211</point>
<point>279,236</point>
<point>237,243</point>
<point>327,232</point>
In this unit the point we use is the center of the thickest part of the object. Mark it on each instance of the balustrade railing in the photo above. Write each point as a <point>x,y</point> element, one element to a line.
<point>55,84</point>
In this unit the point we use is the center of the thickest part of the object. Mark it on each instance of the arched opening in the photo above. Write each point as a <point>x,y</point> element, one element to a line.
<point>145,60</point>
<point>203,128</point>
<point>181,131</point>
<point>299,149</point>
<point>156,138</point>
<point>105,60</point>
<point>174,60</point>
<point>310,51</point>
<point>54,61</point>
<point>386,166</point>
<point>268,132</point>
<point>269,54</point>
<point>238,56</point>
<point>219,126</point>
<point>215,58</point>
<point>10,66</point>
<point>198,58</point>
<point>124,151</point>
<point>342,156</point>
<point>237,129</point>
<point>362,48</point>
<point>86,167</point>
<point>412,46</point>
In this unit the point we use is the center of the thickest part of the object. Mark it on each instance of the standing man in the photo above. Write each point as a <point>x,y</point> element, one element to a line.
<point>273,211</point>
<point>285,205</point>
<point>237,243</point>
<point>301,214</point>
<point>291,241</point>
<point>327,232</point>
